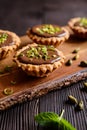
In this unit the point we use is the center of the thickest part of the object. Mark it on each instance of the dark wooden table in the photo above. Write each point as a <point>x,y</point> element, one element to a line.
<point>21,116</point>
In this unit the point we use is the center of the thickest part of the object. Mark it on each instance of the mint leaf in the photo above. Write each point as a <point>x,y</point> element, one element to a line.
<point>65,125</point>
<point>46,118</point>
<point>49,118</point>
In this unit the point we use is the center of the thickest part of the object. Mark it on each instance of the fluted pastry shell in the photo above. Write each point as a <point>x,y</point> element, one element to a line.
<point>7,50</point>
<point>38,70</point>
<point>55,40</point>
<point>79,31</point>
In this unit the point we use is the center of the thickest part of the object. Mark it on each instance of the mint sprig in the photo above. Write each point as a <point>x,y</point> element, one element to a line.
<point>49,118</point>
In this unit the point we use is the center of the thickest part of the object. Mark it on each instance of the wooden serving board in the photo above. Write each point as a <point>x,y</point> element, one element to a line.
<point>27,87</point>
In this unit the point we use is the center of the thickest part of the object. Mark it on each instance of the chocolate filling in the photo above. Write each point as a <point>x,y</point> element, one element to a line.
<point>6,40</point>
<point>38,31</point>
<point>42,58</point>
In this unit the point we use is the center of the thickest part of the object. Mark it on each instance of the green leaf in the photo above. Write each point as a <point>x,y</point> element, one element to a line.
<point>46,118</point>
<point>49,118</point>
<point>65,125</point>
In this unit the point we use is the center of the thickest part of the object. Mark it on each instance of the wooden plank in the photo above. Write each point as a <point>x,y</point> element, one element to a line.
<point>30,87</point>
<point>21,116</point>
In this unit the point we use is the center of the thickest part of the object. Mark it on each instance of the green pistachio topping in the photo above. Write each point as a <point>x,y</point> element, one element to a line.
<point>83,22</point>
<point>48,28</point>
<point>13,82</point>
<point>76,50</point>
<point>3,37</point>
<point>8,91</point>
<point>83,63</point>
<point>41,51</point>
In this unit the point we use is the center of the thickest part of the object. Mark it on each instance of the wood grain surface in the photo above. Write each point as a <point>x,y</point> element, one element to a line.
<point>27,88</point>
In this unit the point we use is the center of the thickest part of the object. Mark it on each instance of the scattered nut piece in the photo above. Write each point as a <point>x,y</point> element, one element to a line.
<point>72,99</point>
<point>75,57</point>
<point>8,91</point>
<point>69,62</point>
<point>76,50</point>
<point>85,85</point>
<point>13,82</point>
<point>83,63</point>
<point>80,105</point>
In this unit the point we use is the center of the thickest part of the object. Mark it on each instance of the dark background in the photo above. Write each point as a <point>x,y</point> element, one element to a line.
<point>18,15</point>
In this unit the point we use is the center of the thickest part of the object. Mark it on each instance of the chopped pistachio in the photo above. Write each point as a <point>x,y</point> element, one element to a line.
<point>75,57</point>
<point>13,82</point>
<point>3,37</point>
<point>80,105</point>
<point>76,50</point>
<point>48,28</point>
<point>85,85</point>
<point>51,32</point>
<point>72,99</point>
<point>33,52</point>
<point>44,49</point>
<point>45,57</point>
<point>8,91</point>
<point>51,48</point>
<point>69,62</point>
<point>54,56</point>
<point>83,63</point>
<point>39,48</point>
<point>40,51</point>
<point>39,30</point>
<point>83,22</point>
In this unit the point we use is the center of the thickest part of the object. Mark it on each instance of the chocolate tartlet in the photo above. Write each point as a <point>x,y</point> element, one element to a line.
<point>9,42</point>
<point>39,60</point>
<point>79,26</point>
<point>48,34</point>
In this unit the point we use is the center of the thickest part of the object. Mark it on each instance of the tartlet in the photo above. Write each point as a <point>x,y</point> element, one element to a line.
<point>48,34</point>
<point>9,42</point>
<point>79,26</point>
<point>39,60</point>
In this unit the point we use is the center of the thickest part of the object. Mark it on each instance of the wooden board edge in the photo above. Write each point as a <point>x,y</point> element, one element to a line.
<point>42,89</point>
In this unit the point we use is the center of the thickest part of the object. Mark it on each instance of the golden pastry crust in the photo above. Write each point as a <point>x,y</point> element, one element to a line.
<point>78,30</point>
<point>55,41</point>
<point>38,70</point>
<point>6,50</point>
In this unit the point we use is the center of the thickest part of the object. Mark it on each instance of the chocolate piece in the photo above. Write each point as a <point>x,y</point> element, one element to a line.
<point>38,55</point>
<point>5,40</point>
<point>48,30</point>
